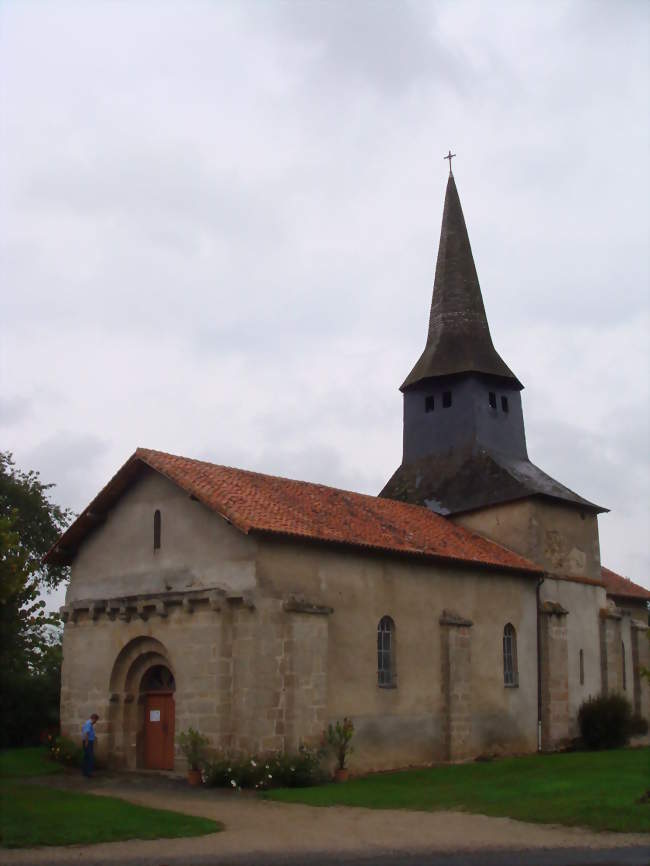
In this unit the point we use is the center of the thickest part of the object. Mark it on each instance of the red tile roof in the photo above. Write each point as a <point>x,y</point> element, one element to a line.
<point>618,585</point>
<point>297,509</point>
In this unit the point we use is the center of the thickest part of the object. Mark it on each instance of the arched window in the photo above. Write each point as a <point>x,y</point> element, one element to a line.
<point>510,674</point>
<point>156,529</point>
<point>386,675</point>
<point>582,668</point>
<point>623,661</point>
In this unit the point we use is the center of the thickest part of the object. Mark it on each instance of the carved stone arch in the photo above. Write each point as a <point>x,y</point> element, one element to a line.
<point>139,668</point>
<point>129,653</point>
<point>126,717</point>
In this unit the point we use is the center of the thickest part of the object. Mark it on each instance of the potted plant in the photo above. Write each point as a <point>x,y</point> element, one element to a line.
<point>338,736</point>
<point>193,746</point>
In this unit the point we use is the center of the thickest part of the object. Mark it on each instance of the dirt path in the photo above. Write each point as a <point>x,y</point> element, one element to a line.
<point>265,827</point>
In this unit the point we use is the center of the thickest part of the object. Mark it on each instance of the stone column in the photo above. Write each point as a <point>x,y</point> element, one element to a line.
<point>640,659</point>
<point>611,661</point>
<point>555,675</point>
<point>456,684</point>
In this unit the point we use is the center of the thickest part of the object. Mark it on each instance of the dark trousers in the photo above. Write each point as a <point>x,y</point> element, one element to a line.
<point>89,758</point>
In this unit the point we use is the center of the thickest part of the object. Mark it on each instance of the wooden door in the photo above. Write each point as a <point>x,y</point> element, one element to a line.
<point>159,732</point>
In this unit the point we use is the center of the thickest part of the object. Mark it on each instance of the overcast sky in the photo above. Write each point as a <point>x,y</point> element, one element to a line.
<point>219,226</point>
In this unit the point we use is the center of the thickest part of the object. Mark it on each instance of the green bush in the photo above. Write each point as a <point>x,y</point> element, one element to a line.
<point>193,745</point>
<point>338,736</point>
<point>638,726</point>
<point>65,751</point>
<point>605,721</point>
<point>284,770</point>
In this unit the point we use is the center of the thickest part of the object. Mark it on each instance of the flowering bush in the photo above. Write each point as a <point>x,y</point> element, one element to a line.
<point>65,751</point>
<point>284,770</point>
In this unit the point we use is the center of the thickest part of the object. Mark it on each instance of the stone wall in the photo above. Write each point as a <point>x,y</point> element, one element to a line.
<point>641,659</point>
<point>456,685</point>
<point>554,676</point>
<point>410,723</point>
<point>249,674</point>
<point>611,662</point>
<point>559,537</point>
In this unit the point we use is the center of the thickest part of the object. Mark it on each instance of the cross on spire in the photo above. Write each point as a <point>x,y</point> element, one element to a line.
<point>450,156</point>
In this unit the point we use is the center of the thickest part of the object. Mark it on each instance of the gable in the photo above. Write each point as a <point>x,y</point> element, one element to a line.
<point>197,547</point>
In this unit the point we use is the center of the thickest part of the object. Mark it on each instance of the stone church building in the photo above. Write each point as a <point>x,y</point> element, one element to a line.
<point>461,612</point>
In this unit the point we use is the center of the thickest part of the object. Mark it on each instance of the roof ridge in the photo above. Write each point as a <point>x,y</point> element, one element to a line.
<point>254,472</point>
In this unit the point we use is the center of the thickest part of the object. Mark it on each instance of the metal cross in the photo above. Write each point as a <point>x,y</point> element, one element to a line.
<point>450,156</point>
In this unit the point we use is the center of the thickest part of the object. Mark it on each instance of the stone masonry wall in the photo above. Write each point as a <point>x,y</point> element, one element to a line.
<point>555,676</point>
<point>456,685</point>
<point>641,659</point>
<point>249,673</point>
<point>610,650</point>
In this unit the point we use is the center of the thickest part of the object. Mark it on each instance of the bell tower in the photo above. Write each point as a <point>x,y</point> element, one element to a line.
<point>464,442</point>
<point>460,396</point>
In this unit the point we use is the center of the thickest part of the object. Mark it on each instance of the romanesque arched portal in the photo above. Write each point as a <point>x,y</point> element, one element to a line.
<point>142,708</point>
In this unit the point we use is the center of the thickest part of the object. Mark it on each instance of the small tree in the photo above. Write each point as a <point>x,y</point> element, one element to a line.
<point>338,736</point>
<point>30,637</point>
<point>193,745</point>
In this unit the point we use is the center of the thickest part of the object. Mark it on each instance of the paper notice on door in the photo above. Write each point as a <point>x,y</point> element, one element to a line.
<point>154,715</point>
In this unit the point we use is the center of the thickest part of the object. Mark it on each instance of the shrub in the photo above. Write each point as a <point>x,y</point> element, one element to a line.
<point>65,751</point>
<point>605,721</point>
<point>193,745</point>
<point>284,770</point>
<point>338,736</point>
<point>638,726</point>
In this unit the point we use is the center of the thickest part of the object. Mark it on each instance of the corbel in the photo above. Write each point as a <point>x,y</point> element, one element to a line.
<point>96,607</point>
<point>298,604</point>
<point>216,598</point>
<point>450,617</point>
<point>188,604</point>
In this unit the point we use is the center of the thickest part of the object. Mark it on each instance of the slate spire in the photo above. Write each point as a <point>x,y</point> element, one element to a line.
<point>459,338</point>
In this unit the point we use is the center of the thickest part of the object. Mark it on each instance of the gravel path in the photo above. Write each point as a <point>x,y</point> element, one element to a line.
<point>255,826</point>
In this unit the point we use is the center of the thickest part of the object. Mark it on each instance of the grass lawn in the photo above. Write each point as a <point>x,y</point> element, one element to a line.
<point>33,815</point>
<point>590,789</point>
<point>21,763</point>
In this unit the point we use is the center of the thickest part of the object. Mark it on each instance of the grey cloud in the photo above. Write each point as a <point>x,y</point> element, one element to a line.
<point>13,410</point>
<point>383,45</point>
<point>67,458</point>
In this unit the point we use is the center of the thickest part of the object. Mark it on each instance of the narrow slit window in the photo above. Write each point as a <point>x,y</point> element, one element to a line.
<point>623,666</point>
<point>386,653</point>
<point>429,404</point>
<point>504,404</point>
<point>492,397</point>
<point>156,529</point>
<point>510,673</point>
<point>446,399</point>
<point>582,668</point>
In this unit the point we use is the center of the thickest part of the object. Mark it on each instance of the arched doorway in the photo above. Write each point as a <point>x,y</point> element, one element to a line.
<point>143,668</point>
<point>157,689</point>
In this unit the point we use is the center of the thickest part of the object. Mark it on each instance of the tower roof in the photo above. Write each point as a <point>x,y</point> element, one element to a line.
<point>459,338</point>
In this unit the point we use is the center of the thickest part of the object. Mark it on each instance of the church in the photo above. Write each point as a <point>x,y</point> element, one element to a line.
<point>462,612</point>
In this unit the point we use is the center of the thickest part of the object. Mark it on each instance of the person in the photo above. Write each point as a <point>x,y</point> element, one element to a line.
<point>88,742</point>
